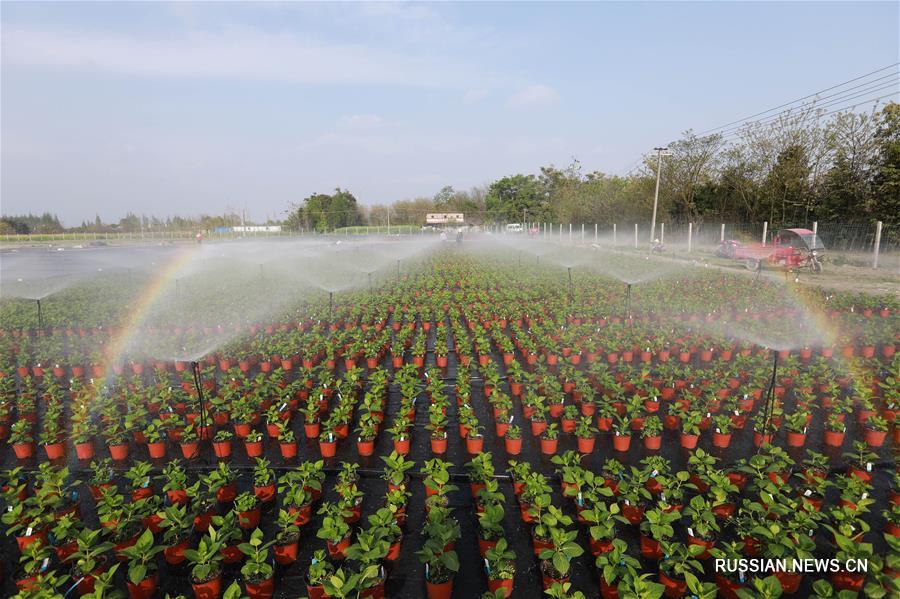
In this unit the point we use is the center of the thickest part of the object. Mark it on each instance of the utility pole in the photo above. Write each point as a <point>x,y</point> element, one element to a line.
<point>660,152</point>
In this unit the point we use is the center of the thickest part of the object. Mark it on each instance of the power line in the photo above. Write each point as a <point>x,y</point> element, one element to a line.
<point>729,133</point>
<point>812,95</point>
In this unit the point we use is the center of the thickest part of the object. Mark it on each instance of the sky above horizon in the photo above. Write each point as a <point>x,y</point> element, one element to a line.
<point>190,108</point>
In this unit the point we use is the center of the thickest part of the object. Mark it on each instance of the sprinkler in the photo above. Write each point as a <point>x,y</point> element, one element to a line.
<point>198,384</point>
<point>398,271</point>
<point>627,298</point>
<point>571,286</point>
<point>769,406</point>
<point>40,315</point>
<point>330,304</point>
<point>370,281</point>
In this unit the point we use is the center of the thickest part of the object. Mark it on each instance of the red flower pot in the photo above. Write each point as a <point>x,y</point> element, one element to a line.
<point>621,442</point>
<point>548,446</point>
<point>848,581</point>
<point>119,453</point>
<point>85,451</point>
<point>210,589</point>
<point>790,581</point>
<point>674,588</point>
<point>834,439</point>
<point>651,548</point>
<point>653,443</point>
<point>586,445</point>
<point>474,445</point>
<point>689,441</point>
<point>261,590</point>
<point>328,449</point>
<point>336,550</point>
<point>796,439</point>
<point>728,588</point>
<point>721,440</point>
<point>439,591</point>
<point>249,520</point>
<point>513,446</point>
<point>401,446</point>
<point>286,554</point>
<point>875,438</point>
<point>439,446</point>
<point>143,590</point>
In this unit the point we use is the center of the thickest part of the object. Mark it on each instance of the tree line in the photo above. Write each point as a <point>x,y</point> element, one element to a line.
<point>788,170</point>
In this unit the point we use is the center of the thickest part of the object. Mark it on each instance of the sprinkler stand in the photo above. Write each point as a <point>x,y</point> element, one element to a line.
<point>40,315</point>
<point>769,406</point>
<point>571,287</point>
<point>330,304</point>
<point>398,271</point>
<point>198,383</point>
<point>627,299</point>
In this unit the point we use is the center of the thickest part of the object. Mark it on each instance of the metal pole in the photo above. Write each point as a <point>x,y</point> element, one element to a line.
<point>195,366</point>
<point>41,314</point>
<point>582,232</point>
<point>615,235</point>
<point>765,232</point>
<point>635,235</point>
<point>560,232</point>
<point>722,233</point>
<point>662,232</point>
<point>571,286</point>
<point>570,233</point>
<point>877,245</point>
<point>398,271</point>
<point>690,236</point>
<point>815,227</point>
<point>596,239</point>
<point>627,299</point>
<point>659,155</point>
<point>330,305</point>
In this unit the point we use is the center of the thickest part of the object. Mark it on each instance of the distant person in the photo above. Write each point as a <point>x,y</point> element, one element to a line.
<point>199,237</point>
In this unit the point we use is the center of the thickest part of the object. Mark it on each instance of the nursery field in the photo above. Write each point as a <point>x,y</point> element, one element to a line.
<point>501,417</point>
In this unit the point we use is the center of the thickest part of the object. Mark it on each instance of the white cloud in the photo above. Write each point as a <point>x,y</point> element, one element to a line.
<point>473,96</point>
<point>533,96</point>
<point>233,53</point>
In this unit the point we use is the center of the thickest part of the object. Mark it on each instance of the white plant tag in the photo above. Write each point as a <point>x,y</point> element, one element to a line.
<point>28,532</point>
<point>690,531</point>
<point>807,493</point>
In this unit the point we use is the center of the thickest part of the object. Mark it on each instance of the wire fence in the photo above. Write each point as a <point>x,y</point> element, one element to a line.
<point>860,240</point>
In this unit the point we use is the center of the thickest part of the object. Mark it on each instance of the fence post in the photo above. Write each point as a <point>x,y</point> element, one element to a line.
<point>765,231</point>
<point>690,236</point>
<point>722,234</point>
<point>662,232</point>
<point>815,227</point>
<point>635,235</point>
<point>582,232</point>
<point>560,232</point>
<point>615,236</point>
<point>570,233</point>
<point>877,244</point>
<point>596,239</point>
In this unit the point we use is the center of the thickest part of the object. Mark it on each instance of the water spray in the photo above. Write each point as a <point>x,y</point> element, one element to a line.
<point>195,367</point>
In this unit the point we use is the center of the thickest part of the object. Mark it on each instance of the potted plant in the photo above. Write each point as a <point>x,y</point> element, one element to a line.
<point>335,530</point>
<point>614,567</point>
<point>257,572</point>
<point>622,436</point>
<point>441,565</point>
<point>513,440</point>
<point>142,576</point>
<point>550,439</point>
<point>206,570</point>
<point>319,571</point>
<point>690,429</point>
<point>263,481</point>
<point>721,436</point>
<point>222,443</point>
<point>876,430</point>
<point>500,568</point>
<point>835,429</point>
<point>679,565</point>
<point>652,432</point>
<point>557,560</point>
<point>176,524</point>
<point>246,506</point>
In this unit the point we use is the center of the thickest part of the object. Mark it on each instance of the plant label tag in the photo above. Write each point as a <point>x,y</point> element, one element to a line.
<point>28,532</point>
<point>869,467</point>
<point>864,495</point>
<point>690,532</point>
<point>654,473</point>
<point>44,563</point>
<point>807,493</point>
<point>626,503</point>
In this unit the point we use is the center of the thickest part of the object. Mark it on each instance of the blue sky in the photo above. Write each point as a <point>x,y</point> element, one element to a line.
<point>200,108</point>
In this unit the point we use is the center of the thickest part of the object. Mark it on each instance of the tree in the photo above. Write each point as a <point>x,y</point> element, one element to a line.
<point>508,197</point>
<point>323,212</point>
<point>846,186</point>
<point>885,198</point>
<point>691,165</point>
